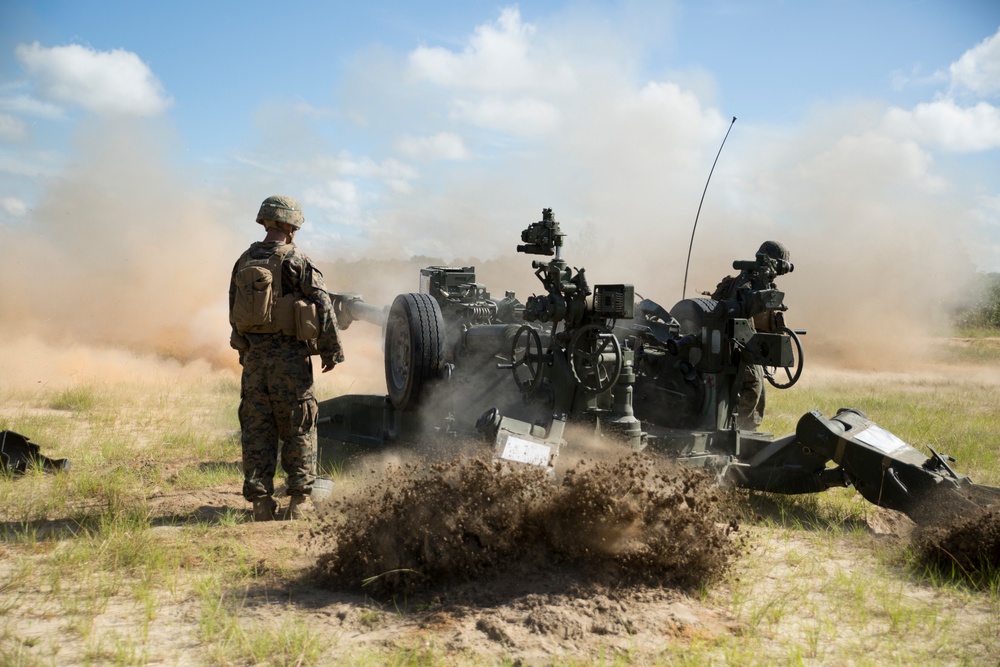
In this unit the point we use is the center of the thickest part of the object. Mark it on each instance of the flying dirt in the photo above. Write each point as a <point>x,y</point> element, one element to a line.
<point>630,520</point>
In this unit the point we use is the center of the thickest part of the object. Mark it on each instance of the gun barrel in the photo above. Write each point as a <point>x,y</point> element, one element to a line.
<point>360,310</point>
<point>351,307</point>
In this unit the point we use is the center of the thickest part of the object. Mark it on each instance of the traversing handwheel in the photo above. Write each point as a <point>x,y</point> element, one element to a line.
<point>526,359</point>
<point>791,373</point>
<point>595,358</point>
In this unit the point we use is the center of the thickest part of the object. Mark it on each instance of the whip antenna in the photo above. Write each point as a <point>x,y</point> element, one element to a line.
<point>693,229</point>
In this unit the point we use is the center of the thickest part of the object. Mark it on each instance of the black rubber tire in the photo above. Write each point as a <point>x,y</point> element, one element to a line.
<point>414,348</point>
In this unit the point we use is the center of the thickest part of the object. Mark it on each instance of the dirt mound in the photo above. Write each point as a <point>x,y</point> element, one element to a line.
<point>970,547</point>
<point>634,519</point>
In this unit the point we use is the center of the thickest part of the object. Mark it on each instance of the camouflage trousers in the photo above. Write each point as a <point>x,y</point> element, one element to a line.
<point>277,404</point>
<point>752,399</point>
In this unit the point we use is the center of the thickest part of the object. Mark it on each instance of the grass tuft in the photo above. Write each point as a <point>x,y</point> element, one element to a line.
<point>76,399</point>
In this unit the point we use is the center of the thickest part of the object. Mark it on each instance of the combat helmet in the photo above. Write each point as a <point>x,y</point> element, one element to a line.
<point>280,208</point>
<point>774,250</point>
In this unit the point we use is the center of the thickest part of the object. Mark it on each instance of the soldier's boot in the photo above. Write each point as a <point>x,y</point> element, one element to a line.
<point>296,509</point>
<point>264,509</point>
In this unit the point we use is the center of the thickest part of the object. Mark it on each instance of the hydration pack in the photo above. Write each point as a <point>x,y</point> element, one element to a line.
<point>260,306</point>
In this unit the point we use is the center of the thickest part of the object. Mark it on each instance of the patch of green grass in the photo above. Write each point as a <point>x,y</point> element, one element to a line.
<point>113,649</point>
<point>201,445</point>
<point>795,597</point>
<point>17,652</point>
<point>75,399</point>
<point>977,332</point>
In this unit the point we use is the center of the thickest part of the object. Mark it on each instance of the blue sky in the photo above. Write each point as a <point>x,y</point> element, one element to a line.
<point>441,128</point>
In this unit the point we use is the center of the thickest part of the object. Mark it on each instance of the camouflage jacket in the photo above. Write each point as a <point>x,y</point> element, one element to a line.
<point>298,274</point>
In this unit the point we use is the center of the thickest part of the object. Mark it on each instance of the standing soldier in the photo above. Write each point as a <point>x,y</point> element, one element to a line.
<point>752,395</point>
<point>281,315</point>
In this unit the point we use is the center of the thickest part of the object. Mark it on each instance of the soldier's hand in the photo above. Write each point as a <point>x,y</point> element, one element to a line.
<point>328,365</point>
<point>242,353</point>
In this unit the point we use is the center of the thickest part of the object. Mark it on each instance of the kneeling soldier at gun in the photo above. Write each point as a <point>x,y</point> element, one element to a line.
<point>281,315</point>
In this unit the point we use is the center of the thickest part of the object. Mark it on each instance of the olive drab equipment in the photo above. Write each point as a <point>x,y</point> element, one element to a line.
<point>775,250</point>
<point>461,363</point>
<point>261,306</point>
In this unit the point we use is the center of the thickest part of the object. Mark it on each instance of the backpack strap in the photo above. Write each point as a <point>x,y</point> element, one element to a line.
<point>280,254</point>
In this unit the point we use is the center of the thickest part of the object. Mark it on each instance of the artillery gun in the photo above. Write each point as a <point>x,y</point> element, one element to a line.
<point>462,364</point>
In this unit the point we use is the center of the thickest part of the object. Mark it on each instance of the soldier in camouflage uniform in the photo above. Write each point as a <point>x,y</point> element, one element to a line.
<point>281,315</point>
<point>750,411</point>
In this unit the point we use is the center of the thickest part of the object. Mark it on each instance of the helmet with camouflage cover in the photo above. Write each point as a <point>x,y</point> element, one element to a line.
<point>280,208</point>
<point>774,250</point>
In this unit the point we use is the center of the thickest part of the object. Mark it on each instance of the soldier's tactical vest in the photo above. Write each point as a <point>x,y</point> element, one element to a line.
<point>261,307</point>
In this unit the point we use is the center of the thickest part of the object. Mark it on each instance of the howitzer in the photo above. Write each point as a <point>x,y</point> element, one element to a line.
<point>462,364</point>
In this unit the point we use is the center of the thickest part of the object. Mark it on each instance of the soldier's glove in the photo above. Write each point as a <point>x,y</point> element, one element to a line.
<point>329,361</point>
<point>238,341</point>
<point>242,353</point>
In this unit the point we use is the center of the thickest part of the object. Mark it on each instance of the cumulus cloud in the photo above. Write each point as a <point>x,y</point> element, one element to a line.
<point>105,82</point>
<point>521,116</point>
<point>440,146</point>
<point>978,70</point>
<point>944,123</point>
<point>502,56</point>
<point>947,125</point>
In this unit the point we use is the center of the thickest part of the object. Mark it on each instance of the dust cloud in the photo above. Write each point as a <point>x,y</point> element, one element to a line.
<point>125,253</point>
<point>119,255</point>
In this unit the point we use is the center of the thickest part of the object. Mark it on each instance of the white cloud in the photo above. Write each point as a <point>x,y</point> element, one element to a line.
<point>12,129</point>
<point>13,206</point>
<point>338,196</point>
<point>978,70</point>
<point>669,100</point>
<point>29,106</point>
<point>440,146</point>
<point>32,164</point>
<point>522,116</point>
<point>498,57</point>
<point>105,82</point>
<point>945,124</point>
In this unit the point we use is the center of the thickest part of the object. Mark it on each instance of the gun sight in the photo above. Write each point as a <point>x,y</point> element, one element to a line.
<point>542,237</point>
<point>779,266</point>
